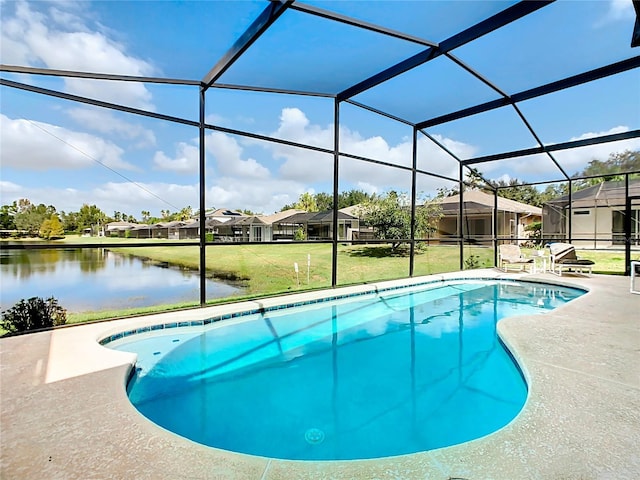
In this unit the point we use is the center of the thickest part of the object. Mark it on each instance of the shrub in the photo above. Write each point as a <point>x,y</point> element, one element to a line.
<point>33,314</point>
<point>300,234</point>
<point>535,232</point>
<point>473,261</point>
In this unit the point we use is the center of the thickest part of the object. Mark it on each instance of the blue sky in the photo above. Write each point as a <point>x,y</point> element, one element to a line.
<point>62,153</point>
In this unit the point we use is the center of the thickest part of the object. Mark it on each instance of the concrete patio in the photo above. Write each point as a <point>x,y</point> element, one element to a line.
<point>65,413</point>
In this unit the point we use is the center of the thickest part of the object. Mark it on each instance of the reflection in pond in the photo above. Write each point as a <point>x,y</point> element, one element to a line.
<point>94,279</point>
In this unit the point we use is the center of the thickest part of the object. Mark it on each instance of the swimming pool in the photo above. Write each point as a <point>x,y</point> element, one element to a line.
<point>374,375</point>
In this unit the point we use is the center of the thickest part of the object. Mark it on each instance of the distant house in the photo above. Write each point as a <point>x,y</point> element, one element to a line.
<point>358,231</point>
<point>281,226</point>
<point>118,229</point>
<point>232,226</point>
<point>512,217</point>
<point>223,214</point>
<point>597,215</point>
<point>275,228</point>
<point>237,229</point>
<point>176,230</point>
<point>316,225</point>
<point>189,230</point>
<point>141,230</point>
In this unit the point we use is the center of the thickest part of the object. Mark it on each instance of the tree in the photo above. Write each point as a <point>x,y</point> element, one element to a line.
<point>473,180</point>
<point>610,169</point>
<point>29,217</point>
<point>69,221</point>
<point>324,201</point>
<point>7,216</point>
<point>306,202</point>
<point>33,314</point>
<point>354,197</point>
<point>520,193</point>
<point>146,215</point>
<point>535,233</point>
<point>390,216</point>
<point>90,216</point>
<point>185,213</point>
<point>51,228</point>
<point>245,211</point>
<point>553,191</point>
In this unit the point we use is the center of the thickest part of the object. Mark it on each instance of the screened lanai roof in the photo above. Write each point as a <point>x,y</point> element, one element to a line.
<point>477,201</point>
<point>433,64</point>
<point>605,194</point>
<point>526,90</point>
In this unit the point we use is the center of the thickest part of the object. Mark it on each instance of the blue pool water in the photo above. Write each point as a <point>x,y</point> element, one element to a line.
<point>371,376</point>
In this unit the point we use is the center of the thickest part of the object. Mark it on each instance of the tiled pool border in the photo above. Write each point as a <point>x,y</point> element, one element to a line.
<point>227,316</point>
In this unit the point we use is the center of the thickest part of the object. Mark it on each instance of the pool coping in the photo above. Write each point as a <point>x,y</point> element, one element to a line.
<point>553,435</point>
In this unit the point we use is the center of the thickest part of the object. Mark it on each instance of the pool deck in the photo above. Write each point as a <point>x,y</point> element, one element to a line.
<point>65,413</point>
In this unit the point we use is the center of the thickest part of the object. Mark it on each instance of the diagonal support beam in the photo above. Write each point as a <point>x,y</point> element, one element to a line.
<point>573,81</point>
<point>95,103</point>
<point>319,12</point>
<point>635,35</point>
<point>260,25</point>
<point>93,75</point>
<point>488,25</point>
<point>614,137</point>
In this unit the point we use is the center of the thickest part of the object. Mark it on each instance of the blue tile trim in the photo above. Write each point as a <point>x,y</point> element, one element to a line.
<point>227,316</point>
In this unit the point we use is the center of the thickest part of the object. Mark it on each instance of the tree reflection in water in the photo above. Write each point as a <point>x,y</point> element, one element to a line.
<point>94,279</point>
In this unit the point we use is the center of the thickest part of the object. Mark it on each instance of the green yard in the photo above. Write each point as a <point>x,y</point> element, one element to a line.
<point>269,269</point>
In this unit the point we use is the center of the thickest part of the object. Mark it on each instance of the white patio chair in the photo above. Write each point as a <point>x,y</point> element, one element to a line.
<point>511,255</point>
<point>563,257</point>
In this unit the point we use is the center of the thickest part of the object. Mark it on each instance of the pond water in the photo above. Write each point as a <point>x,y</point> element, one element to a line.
<point>96,279</point>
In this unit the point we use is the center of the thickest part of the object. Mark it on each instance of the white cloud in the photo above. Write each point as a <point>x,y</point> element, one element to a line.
<point>9,187</point>
<point>618,10</point>
<point>227,154</point>
<point>611,131</point>
<point>105,121</point>
<point>110,197</point>
<point>60,38</point>
<point>575,160</point>
<point>215,119</point>
<point>235,180</point>
<point>186,160</point>
<point>30,145</point>
<point>540,167</point>
<point>9,192</point>
<point>132,199</point>
<point>255,195</point>
<point>308,166</point>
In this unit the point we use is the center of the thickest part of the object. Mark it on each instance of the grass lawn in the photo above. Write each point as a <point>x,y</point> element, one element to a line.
<point>269,269</point>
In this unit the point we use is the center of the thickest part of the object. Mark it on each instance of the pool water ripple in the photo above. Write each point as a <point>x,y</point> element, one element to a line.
<point>371,376</point>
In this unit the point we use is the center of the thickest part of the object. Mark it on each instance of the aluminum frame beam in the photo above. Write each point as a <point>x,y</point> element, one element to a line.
<point>555,147</point>
<point>95,76</point>
<point>260,25</point>
<point>96,103</point>
<point>250,88</point>
<point>484,27</point>
<point>635,35</point>
<point>573,81</point>
<point>452,155</point>
<point>319,12</point>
